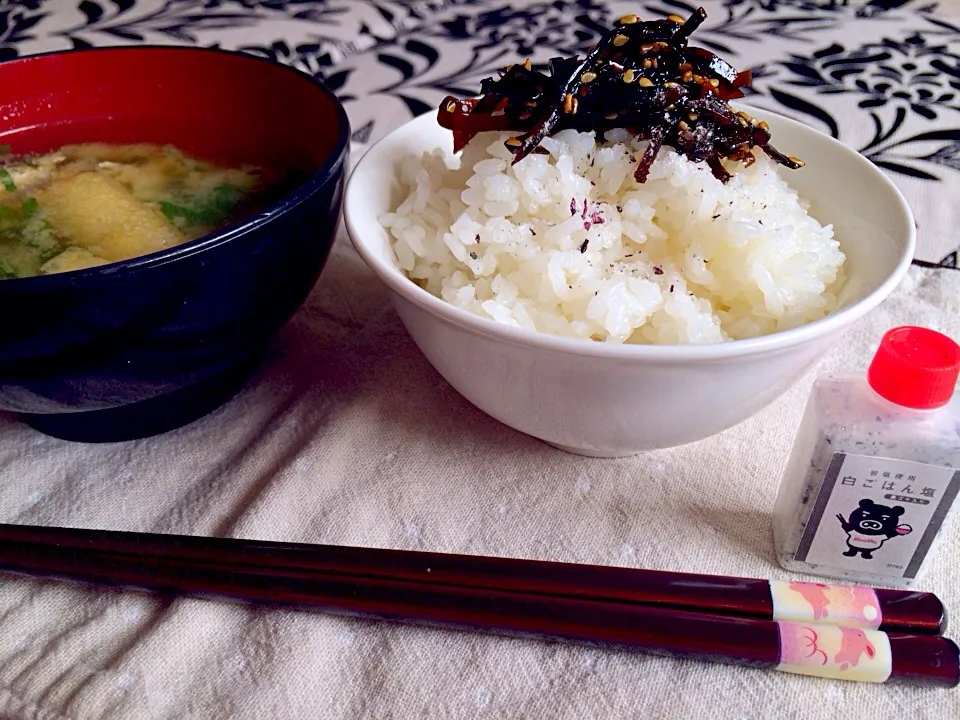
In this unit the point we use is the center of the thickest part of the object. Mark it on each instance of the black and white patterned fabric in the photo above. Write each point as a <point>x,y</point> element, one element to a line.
<point>883,77</point>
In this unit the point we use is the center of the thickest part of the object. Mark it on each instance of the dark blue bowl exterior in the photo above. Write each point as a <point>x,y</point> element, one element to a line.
<point>149,344</point>
<point>106,341</point>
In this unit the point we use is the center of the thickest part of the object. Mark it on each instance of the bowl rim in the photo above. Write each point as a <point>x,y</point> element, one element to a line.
<point>835,322</point>
<point>123,268</point>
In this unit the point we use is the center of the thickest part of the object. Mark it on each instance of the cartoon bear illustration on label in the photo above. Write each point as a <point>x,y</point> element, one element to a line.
<point>870,526</point>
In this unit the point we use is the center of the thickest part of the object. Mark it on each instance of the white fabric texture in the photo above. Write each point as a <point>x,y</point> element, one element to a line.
<point>346,435</point>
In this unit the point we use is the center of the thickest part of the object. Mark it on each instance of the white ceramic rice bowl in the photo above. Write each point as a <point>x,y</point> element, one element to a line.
<point>609,400</point>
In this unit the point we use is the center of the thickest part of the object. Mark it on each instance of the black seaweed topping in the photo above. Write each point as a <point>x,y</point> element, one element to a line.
<point>641,76</point>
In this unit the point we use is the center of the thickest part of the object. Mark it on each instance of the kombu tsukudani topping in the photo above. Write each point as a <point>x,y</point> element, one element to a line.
<point>641,76</point>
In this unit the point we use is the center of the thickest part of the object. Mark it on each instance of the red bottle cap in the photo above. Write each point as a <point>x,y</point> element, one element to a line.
<point>915,367</point>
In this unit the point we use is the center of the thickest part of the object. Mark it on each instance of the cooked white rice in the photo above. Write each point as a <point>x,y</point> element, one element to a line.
<point>569,243</point>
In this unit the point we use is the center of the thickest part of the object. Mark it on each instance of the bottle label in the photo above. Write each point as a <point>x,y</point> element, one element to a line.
<point>877,515</point>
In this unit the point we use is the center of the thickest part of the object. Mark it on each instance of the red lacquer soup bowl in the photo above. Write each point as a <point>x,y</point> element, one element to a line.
<point>145,345</point>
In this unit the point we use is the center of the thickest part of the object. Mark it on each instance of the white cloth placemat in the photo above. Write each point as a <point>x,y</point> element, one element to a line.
<point>348,436</point>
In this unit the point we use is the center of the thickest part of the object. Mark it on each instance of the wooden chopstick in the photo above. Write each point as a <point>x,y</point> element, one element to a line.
<point>848,653</point>
<point>896,610</point>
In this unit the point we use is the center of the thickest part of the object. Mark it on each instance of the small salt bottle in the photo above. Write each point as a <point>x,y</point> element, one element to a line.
<point>875,467</point>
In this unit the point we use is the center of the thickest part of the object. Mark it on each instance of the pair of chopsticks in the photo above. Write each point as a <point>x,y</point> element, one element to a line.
<point>877,635</point>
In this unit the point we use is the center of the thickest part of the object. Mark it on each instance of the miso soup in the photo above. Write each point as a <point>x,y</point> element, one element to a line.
<point>93,203</point>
